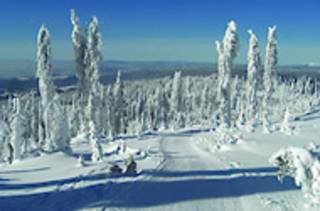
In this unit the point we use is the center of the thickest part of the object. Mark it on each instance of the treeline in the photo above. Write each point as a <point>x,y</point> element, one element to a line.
<point>32,125</point>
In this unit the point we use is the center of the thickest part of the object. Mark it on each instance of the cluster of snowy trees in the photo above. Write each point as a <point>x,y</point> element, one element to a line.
<point>33,124</point>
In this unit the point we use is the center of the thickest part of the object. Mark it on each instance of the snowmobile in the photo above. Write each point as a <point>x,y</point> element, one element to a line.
<point>130,168</point>
<point>115,170</point>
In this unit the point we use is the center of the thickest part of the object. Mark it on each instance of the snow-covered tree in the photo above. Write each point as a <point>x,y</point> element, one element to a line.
<point>241,120</point>
<point>205,103</point>
<point>253,70</point>
<point>55,130</point>
<point>41,126</point>
<point>188,100</point>
<point>119,114</point>
<point>80,48</point>
<point>93,55</point>
<point>304,166</point>
<point>176,98</point>
<point>220,68</point>
<point>18,131</point>
<point>4,140</point>
<point>227,52</point>
<point>44,72</point>
<point>108,111</point>
<point>93,58</point>
<point>44,75</point>
<point>34,113</point>
<point>74,113</point>
<point>269,76</point>
<point>158,103</point>
<point>97,151</point>
<point>285,126</point>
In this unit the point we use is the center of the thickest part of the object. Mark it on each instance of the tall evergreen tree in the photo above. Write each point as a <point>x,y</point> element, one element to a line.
<point>18,131</point>
<point>80,47</point>
<point>269,76</point>
<point>93,58</point>
<point>54,131</point>
<point>227,52</point>
<point>44,75</point>
<point>253,71</point>
<point>176,103</point>
<point>119,113</point>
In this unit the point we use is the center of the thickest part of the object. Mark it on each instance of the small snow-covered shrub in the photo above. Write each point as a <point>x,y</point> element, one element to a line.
<point>219,138</point>
<point>285,127</point>
<point>81,162</point>
<point>303,165</point>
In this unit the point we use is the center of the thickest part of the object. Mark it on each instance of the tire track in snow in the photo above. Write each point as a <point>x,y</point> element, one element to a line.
<point>124,193</point>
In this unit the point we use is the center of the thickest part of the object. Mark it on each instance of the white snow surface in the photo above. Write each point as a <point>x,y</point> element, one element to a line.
<point>175,173</point>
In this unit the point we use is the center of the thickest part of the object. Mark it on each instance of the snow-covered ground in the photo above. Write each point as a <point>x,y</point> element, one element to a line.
<point>176,174</point>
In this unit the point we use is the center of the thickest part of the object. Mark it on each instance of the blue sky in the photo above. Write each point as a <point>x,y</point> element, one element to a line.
<point>176,30</point>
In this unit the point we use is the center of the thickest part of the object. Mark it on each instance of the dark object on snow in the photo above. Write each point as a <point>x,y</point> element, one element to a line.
<point>131,166</point>
<point>115,169</point>
<point>11,150</point>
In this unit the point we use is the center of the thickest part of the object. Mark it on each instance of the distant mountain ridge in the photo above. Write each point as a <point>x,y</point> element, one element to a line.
<point>19,75</point>
<point>26,68</point>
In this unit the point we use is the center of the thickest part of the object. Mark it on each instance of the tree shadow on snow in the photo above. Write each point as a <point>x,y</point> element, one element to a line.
<point>24,170</point>
<point>153,192</point>
<point>223,172</point>
<point>60,182</point>
<point>308,116</point>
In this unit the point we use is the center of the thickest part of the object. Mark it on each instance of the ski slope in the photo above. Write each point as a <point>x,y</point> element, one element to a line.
<point>176,174</point>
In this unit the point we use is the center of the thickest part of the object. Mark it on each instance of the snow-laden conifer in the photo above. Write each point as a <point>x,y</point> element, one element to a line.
<point>80,47</point>
<point>176,99</point>
<point>119,122</point>
<point>97,151</point>
<point>45,81</point>
<point>55,130</point>
<point>253,71</point>
<point>303,166</point>
<point>285,126</point>
<point>5,140</point>
<point>18,131</point>
<point>93,54</point>
<point>269,76</point>
<point>227,52</point>
<point>34,114</point>
<point>44,67</point>
<point>93,58</point>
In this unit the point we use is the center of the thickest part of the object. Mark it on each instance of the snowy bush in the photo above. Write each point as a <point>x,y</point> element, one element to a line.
<point>217,140</point>
<point>285,126</point>
<point>304,166</point>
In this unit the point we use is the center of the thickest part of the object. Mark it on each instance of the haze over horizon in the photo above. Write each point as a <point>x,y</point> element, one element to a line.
<point>164,30</point>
